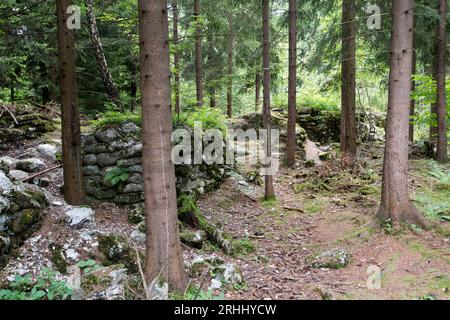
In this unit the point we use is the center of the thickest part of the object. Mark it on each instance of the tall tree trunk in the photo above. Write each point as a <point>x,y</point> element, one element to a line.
<point>176,57</point>
<point>395,204</point>
<point>133,84</point>
<point>230,40</point>
<point>433,108</point>
<point>163,250</point>
<point>269,191</point>
<point>348,96</point>
<point>53,80</point>
<point>70,114</point>
<point>12,93</point>
<point>292,100</point>
<point>212,97</point>
<point>257,90</point>
<point>99,54</point>
<point>441,153</point>
<point>412,104</point>
<point>198,54</point>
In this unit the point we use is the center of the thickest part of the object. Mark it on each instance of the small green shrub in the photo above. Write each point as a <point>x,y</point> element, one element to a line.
<point>117,176</point>
<point>210,119</point>
<point>116,118</point>
<point>88,266</point>
<point>44,287</point>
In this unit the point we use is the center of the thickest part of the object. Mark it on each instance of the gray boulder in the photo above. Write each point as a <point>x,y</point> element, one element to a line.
<point>30,165</point>
<point>107,135</point>
<point>331,259</point>
<point>6,185</point>
<point>91,170</point>
<point>107,159</point>
<point>18,175</point>
<point>47,151</point>
<point>89,159</point>
<point>77,218</point>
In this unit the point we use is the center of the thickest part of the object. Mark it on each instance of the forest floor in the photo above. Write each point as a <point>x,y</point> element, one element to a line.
<point>323,208</point>
<point>316,209</point>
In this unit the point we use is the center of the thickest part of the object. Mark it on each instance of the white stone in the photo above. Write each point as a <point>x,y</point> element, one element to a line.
<point>79,217</point>
<point>47,151</point>
<point>6,185</point>
<point>18,175</point>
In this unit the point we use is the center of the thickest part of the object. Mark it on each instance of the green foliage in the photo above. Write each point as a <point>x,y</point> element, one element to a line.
<point>433,196</point>
<point>208,117</point>
<point>425,94</point>
<point>388,226</point>
<point>44,287</point>
<point>116,118</point>
<point>88,266</point>
<point>192,293</point>
<point>243,246</point>
<point>117,176</point>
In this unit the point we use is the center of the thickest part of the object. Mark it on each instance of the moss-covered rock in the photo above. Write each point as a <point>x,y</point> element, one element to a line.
<point>58,258</point>
<point>116,250</point>
<point>330,259</point>
<point>25,221</point>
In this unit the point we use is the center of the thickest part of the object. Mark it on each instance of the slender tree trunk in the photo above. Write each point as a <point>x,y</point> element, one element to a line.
<point>257,90</point>
<point>269,190</point>
<point>441,153</point>
<point>70,114</point>
<point>212,97</point>
<point>395,204</point>
<point>133,84</point>
<point>292,100</point>
<point>111,88</point>
<point>198,54</point>
<point>163,250</point>
<point>412,105</point>
<point>53,80</point>
<point>433,109</point>
<point>348,96</point>
<point>176,57</point>
<point>12,93</point>
<point>230,41</point>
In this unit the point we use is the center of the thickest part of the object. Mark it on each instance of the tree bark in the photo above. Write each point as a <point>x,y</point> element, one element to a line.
<point>257,90</point>
<point>292,90</point>
<point>412,104</point>
<point>164,258</point>
<point>230,40</point>
<point>269,190</point>
<point>198,54</point>
<point>176,57</point>
<point>133,84</point>
<point>53,80</point>
<point>70,114</point>
<point>395,204</point>
<point>441,152</point>
<point>212,97</point>
<point>348,94</point>
<point>108,82</point>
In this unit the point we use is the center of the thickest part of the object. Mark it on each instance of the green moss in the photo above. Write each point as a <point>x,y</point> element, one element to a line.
<point>57,258</point>
<point>115,250</point>
<point>243,246</point>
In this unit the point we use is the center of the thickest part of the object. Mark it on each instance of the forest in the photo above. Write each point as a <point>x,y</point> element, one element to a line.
<point>184,150</point>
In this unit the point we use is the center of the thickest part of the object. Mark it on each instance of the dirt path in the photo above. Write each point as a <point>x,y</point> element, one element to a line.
<point>305,223</point>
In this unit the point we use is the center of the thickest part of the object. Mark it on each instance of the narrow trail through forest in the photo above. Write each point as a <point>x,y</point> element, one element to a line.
<point>299,225</point>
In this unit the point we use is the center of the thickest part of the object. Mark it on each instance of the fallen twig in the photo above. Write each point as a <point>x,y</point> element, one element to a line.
<point>144,282</point>
<point>41,173</point>
<point>12,115</point>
